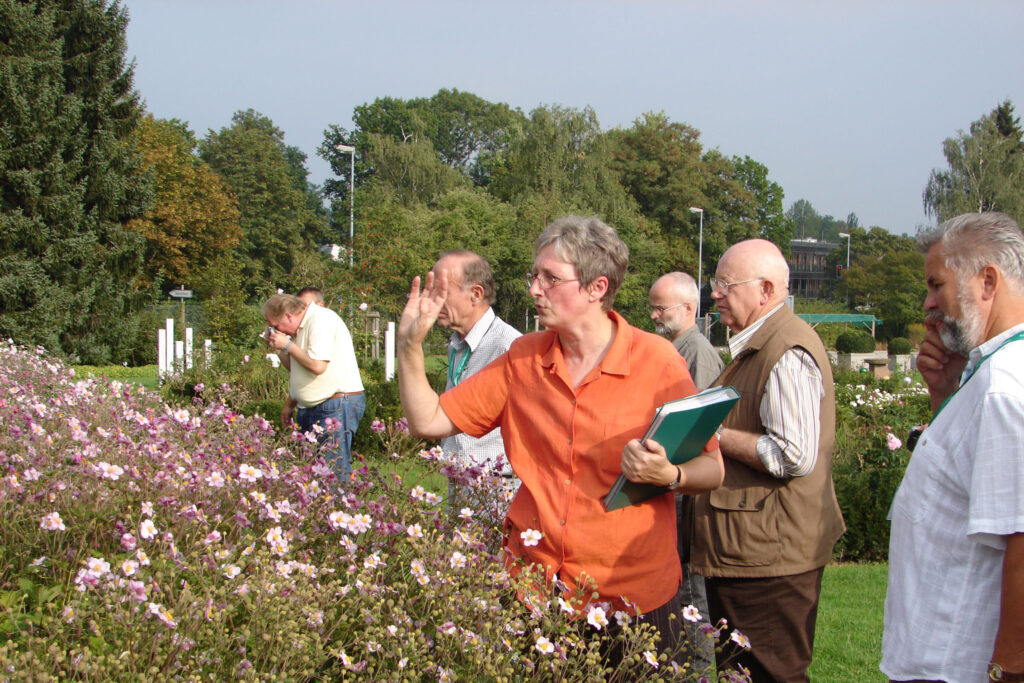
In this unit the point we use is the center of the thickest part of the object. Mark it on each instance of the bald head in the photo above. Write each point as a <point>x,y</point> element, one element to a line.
<point>758,279</point>
<point>760,259</point>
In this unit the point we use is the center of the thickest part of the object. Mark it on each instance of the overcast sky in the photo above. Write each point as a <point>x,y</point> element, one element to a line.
<point>847,103</point>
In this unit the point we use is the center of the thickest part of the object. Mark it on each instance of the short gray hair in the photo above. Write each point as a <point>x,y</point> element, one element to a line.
<point>592,247</point>
<point>972,241</point>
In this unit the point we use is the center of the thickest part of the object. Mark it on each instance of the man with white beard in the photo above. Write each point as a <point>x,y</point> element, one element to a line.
<point>954,607</point>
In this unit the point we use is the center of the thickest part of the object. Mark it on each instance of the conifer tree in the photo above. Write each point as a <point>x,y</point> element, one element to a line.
<point>69,179</point>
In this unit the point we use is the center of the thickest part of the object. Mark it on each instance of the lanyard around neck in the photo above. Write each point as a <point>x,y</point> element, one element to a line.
<point>974,371</point>
<point>456,371</point>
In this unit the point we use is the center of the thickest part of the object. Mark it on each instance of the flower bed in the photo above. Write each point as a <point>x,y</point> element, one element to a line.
<point>144,541</point>
<point>873,417</point>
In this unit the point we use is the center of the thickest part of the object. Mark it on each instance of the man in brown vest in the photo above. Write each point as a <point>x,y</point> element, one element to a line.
<point>762,540</point>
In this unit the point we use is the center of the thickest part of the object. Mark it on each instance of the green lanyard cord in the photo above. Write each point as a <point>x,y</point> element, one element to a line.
<point>455,372</point>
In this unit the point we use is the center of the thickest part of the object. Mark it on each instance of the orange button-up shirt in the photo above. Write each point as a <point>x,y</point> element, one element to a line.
<point>566,444</point>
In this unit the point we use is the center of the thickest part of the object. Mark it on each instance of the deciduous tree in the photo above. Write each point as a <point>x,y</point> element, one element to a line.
<point>194,218</point>
<point>659,164</point>
<point>269,182</point>
<point>985,172</point>
<point>772,223</point>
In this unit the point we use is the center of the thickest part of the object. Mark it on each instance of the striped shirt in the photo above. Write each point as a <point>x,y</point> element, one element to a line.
<point>789,408</point>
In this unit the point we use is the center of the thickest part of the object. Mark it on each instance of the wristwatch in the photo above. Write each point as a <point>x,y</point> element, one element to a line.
<point>997,673</point>
<point>679,477</point>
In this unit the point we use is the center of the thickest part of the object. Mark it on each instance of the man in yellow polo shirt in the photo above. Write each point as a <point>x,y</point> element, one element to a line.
<point>316,347</point>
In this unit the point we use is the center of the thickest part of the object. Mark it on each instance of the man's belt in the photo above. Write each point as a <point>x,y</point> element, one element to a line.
<point>343,394</point>
<point>340,394</point>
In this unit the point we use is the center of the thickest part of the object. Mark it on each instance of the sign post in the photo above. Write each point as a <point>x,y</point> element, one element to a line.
<point>182,294</point>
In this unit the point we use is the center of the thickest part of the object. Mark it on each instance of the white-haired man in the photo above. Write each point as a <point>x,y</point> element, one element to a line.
<point>673,299</point>
<point>954,607</point>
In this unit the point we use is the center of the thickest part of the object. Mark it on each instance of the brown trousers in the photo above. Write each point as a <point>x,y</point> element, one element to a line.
<point>777,614</point>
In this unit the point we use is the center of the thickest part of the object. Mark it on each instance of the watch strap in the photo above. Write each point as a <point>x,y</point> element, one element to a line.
<point>679,477</point>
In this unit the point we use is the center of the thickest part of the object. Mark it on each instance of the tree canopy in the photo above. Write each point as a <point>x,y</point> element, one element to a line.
<point>71,273</point>
<point>985,169</point>
<point>194,217</point>
<point>268,179</point>
<point>102,206</point>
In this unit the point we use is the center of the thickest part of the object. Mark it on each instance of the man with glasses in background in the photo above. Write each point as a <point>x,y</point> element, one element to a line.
<point>762,540</point>
<point>674,312</point>
<point>674,299</point>
<point>478,337</point>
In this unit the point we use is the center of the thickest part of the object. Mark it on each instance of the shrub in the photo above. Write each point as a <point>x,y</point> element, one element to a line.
<point>238,377</point>
<point>899,346</point>
<point>916,332</point>
<point>147,542</point>
<point>855,341</point>
<point>873,417</point>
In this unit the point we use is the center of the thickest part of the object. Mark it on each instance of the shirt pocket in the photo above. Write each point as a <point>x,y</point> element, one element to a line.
<point>745,523</point>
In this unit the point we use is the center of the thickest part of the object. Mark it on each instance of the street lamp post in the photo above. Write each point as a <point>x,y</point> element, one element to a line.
<point>351,199</point>
<point>847,236</point>
<point>700,258</point>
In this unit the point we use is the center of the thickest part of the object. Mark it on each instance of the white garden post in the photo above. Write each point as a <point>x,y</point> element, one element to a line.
<point>208,352</point>
<point>188,348</point>
<point>179,357</point>
<point>389,352</point>
<point>169,326</point>
<point>161,354</point>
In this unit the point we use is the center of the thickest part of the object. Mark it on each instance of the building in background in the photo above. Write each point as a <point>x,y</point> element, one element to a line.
<point>809,272</point>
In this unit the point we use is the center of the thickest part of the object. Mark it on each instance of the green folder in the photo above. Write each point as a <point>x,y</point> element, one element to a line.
<point>683,427</point>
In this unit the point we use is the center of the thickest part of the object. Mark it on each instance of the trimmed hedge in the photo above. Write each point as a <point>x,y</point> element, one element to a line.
<point>855,341</point>
<point>899,346</point>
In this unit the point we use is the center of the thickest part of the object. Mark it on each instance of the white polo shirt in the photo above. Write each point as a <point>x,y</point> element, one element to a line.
<point>962,494</point>
<point>324,336</point>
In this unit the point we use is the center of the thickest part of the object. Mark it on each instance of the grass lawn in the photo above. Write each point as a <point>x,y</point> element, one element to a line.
<point>146,375</point>
<point>848,640</point>
<point>411,472</point>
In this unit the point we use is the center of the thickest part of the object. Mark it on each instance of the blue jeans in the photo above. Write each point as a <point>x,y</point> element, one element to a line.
<point>337,446</point>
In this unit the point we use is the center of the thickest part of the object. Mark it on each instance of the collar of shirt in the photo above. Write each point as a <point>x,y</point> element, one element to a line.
<point>476,335</point>
<point>739,341</point>
<point>615,362</point>
<point>307,314</point>
<point>986,348</point>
